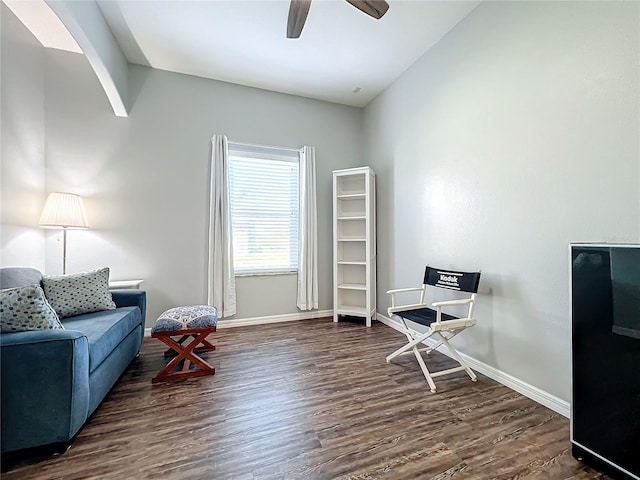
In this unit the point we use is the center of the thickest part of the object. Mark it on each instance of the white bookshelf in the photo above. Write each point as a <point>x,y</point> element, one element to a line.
<point>354,243</point>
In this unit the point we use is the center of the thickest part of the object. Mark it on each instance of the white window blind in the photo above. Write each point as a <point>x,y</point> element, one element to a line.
<point>264,209</point>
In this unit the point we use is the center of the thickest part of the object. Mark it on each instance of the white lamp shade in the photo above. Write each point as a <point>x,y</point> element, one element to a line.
<point>64,210</point>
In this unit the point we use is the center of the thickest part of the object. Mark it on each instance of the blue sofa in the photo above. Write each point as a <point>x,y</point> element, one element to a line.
<point>53,380</point>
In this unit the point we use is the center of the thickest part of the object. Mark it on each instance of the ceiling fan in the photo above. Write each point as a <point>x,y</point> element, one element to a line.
<point>299,9</point>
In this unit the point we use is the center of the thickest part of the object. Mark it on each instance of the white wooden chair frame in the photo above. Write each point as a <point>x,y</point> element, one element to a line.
<point>445,329</point>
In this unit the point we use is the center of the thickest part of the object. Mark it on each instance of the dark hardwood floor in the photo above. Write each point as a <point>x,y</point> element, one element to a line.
<point>313,400</point>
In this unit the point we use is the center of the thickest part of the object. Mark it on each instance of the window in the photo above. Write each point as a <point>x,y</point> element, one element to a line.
<point>264,209</point>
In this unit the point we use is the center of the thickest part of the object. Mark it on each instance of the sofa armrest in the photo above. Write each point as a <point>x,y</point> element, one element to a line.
<point>45,387</point>
<point>131,298</point>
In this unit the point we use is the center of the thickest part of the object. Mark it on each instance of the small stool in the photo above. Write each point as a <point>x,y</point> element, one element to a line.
<point>194,321</point>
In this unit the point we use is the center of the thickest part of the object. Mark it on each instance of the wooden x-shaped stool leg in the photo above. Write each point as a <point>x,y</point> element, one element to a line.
<point>188,353</point>
<point>206,346</point>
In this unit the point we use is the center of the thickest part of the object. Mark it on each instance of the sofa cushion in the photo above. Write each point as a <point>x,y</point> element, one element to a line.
<point>104,330</point>
<point>79,293</point>
<point>24,309</point>
<point>11,277</point>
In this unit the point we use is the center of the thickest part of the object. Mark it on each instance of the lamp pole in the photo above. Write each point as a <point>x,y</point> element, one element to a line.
<point>64,250</point>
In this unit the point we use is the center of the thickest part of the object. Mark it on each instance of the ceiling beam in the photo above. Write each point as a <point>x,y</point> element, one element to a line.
<point>87,26</point>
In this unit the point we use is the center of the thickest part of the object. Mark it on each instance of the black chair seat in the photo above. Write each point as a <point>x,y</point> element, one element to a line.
<point>423,316</point>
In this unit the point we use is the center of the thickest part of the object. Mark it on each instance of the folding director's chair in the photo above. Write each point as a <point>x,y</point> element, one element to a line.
<point>443,325</point>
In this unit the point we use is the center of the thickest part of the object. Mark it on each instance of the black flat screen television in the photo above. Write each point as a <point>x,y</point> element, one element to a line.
<point>605,310</point>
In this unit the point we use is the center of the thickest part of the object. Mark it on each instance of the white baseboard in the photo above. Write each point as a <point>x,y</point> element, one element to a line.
<point>243,322</point>
<point>544,398</point>
<point>288,317</point>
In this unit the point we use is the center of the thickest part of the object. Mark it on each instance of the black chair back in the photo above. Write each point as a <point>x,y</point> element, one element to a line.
<point>451,279</point>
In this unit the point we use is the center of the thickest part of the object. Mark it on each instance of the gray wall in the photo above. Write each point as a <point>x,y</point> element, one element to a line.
<point>145,177</point>
<point>22,152</point>
<point>515,135</point>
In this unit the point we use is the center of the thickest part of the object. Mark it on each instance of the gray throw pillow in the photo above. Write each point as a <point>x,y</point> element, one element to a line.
<point>26,308</point>
<point>78,293</point>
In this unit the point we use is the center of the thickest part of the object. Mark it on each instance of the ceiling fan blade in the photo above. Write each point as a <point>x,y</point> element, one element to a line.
<point>298,10</point>
<point>374,8</point>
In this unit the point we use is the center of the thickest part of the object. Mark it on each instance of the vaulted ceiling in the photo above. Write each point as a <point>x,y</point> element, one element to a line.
<point>342,56</point>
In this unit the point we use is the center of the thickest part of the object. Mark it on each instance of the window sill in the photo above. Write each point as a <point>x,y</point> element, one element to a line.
<point>265,274</point>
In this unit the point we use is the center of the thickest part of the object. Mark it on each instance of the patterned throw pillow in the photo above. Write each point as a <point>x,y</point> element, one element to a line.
<point>184,318</point>
<point>26,308</point>
<point>79,293</point>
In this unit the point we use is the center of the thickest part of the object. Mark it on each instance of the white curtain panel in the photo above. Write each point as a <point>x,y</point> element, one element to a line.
<point>308,233</point>
<point>221,279</point>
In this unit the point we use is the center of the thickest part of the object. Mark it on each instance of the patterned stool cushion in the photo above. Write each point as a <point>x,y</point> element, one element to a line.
<point>186,318</point>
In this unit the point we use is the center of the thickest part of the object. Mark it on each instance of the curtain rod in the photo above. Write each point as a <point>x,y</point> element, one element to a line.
<point>254,145</point>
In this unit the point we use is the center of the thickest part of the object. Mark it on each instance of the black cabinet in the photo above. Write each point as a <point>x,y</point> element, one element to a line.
<point>605,404</point>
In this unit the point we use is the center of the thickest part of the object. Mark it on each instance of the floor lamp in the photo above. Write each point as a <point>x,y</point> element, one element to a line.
<point>65,211</point>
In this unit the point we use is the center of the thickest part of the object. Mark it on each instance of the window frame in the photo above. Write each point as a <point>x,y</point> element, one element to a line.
<point>238,150</point>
